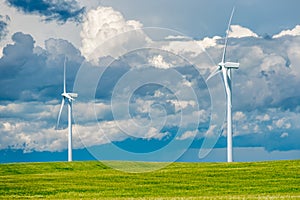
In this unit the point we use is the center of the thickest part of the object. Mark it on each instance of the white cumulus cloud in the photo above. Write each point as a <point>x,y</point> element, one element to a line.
<point>106,27</point>
<point>293,32</point>
<point>265,117</point>
<point>187,135</point>
<point>283,135</point>
<point>159,62</point>
<point>238,31</point>
<point>239,116</point>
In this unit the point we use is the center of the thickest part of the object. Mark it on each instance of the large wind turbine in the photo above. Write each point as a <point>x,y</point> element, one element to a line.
<point>225,68</point>
<point>67,97</point>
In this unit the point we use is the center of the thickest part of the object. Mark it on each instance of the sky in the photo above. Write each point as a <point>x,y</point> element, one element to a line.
<point>140,70</point>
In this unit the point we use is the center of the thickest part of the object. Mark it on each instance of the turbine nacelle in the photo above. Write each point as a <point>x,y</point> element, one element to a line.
<point>70,96</point>
<point>230,65</point>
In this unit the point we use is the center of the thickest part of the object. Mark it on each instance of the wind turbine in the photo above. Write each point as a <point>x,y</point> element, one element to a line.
<point>225,68</point>
<point>69,98</point>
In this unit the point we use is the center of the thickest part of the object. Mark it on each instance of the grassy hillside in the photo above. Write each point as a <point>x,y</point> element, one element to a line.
<point>93,180</point>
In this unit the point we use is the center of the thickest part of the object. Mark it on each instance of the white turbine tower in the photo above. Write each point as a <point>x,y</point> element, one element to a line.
<point>67,97</point>
<point>225,68</point>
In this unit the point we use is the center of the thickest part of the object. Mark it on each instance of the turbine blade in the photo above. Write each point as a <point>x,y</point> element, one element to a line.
<point>65,89</point>
<point>59,114</point>
<point>227,33</point>
<point>215,72</point>
<point>73,95</point>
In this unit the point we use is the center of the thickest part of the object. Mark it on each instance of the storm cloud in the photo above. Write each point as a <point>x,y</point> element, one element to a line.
<point>24,66</point>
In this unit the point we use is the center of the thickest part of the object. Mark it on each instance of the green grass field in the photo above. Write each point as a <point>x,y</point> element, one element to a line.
<point>93,180</point>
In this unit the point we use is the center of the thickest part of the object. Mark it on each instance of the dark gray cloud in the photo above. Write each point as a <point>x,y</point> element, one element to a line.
<point>30,73</point>
<point>4,20</point>
<point>268,76</point>
<point>59,10</point>
<point>15,55</point>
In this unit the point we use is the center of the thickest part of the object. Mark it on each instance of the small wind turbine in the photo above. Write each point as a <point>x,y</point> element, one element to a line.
<point>225,68</point>
<point>67,97</point>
